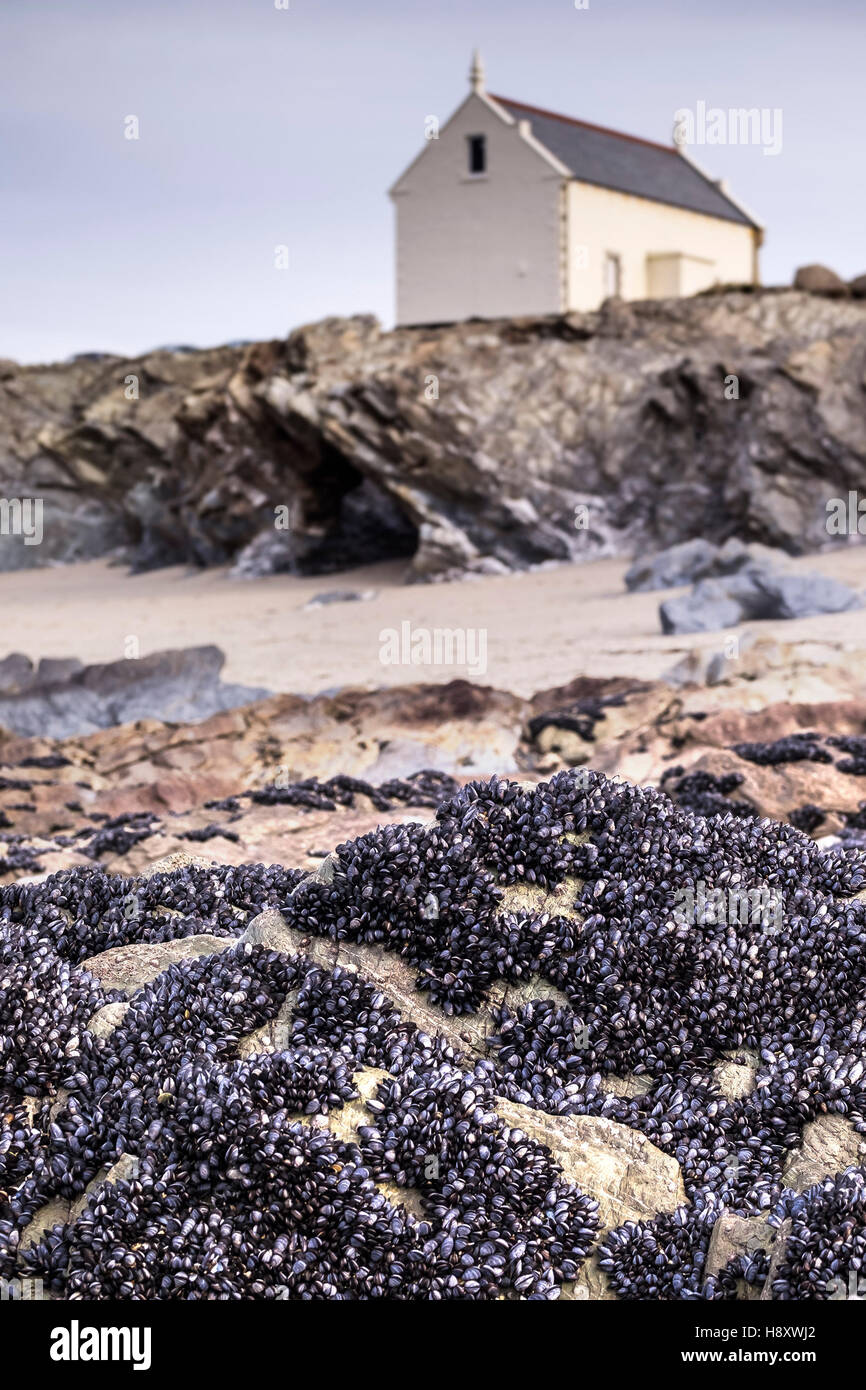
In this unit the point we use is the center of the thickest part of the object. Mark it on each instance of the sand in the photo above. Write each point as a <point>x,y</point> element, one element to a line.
<point>541,628</point>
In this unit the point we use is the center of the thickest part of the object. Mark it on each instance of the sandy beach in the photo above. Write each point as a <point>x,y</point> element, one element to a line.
<point>541,628</point>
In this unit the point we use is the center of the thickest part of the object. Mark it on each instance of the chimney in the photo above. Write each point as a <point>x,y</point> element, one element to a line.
<point>476,73</point>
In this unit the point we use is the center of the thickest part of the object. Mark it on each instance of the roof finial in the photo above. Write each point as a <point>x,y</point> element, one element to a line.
<point>476,72</point>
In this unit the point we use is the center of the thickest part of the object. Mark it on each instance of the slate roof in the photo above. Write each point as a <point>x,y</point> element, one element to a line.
<point>626,162</point>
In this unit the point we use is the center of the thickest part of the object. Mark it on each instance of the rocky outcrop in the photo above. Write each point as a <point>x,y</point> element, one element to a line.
<point>62,698</point>
<point>472,447</point>
<point>281,779</point>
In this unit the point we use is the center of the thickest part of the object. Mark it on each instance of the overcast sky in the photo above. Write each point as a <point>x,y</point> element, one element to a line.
<point>262,127</point>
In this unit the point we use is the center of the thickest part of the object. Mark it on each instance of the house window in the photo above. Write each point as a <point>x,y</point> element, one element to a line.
<point>477,154</point>
<point>612,275</point>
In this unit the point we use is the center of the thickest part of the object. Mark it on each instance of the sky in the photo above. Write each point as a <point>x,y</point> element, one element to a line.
<point>263,127</point>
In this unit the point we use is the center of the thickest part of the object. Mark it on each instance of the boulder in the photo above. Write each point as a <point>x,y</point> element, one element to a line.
<point>66,698</point>
<point>694,560</point>
<point>801,595</point>
<point>667,569</point>
<point>16,673</point>
<point>706,609</point>
<point>755,593</point>
<point>858,287</point>
<point>819,279</point>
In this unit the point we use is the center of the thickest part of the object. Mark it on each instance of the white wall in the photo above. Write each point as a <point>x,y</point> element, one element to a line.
<point>601,221</point>
<point>490,245</point>
<point>673,273</point>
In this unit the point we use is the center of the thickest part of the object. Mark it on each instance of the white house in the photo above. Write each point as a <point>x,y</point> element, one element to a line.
<point>513,210</point>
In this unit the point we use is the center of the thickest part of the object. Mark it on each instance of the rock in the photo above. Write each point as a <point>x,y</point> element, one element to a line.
<point>178,860</point>
<point>626,1174</point>
<point>626,1086</point>
<point>371,526</point>
<point>752,656</point>
<point>66,698</point>
<point>778,790</point>
<point>127,968</point>
<point>708,607</point>
<point>16,673</point>
<point>55,670</point>
<point>819,279</point>
<point>106,1019</point>
<point>125,1169</point>
<point>270,930</point>
<point>340,596</point>
<point>489,474</point>
<point>693,560</point>
<point>667,569</point>
<point>755,593</point>
<point>735,1235</point>
<point>804,595</point>
<point>735,1081</point>
<point>858,287</point>
<point>829,1145</point>
<point>323,874</point>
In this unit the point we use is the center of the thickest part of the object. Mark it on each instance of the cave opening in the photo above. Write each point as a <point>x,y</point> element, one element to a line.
<point>349,520</point>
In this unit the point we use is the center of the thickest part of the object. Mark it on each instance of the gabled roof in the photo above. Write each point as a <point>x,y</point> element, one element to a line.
<point>626,163</point>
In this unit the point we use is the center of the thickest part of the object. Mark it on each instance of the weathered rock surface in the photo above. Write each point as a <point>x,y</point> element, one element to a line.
<point>690,561</point>
<point>544,439</point>
<point>127,968</point>
<point>819,279</point>
<point>63,698</point>
<point>106,1019</point>
<point>626,1174</point>
<point>733,1236</point>
<point>830,1144</point>
<point>134,794</point>
<point>735,1081</point>
<point>755,593</point>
